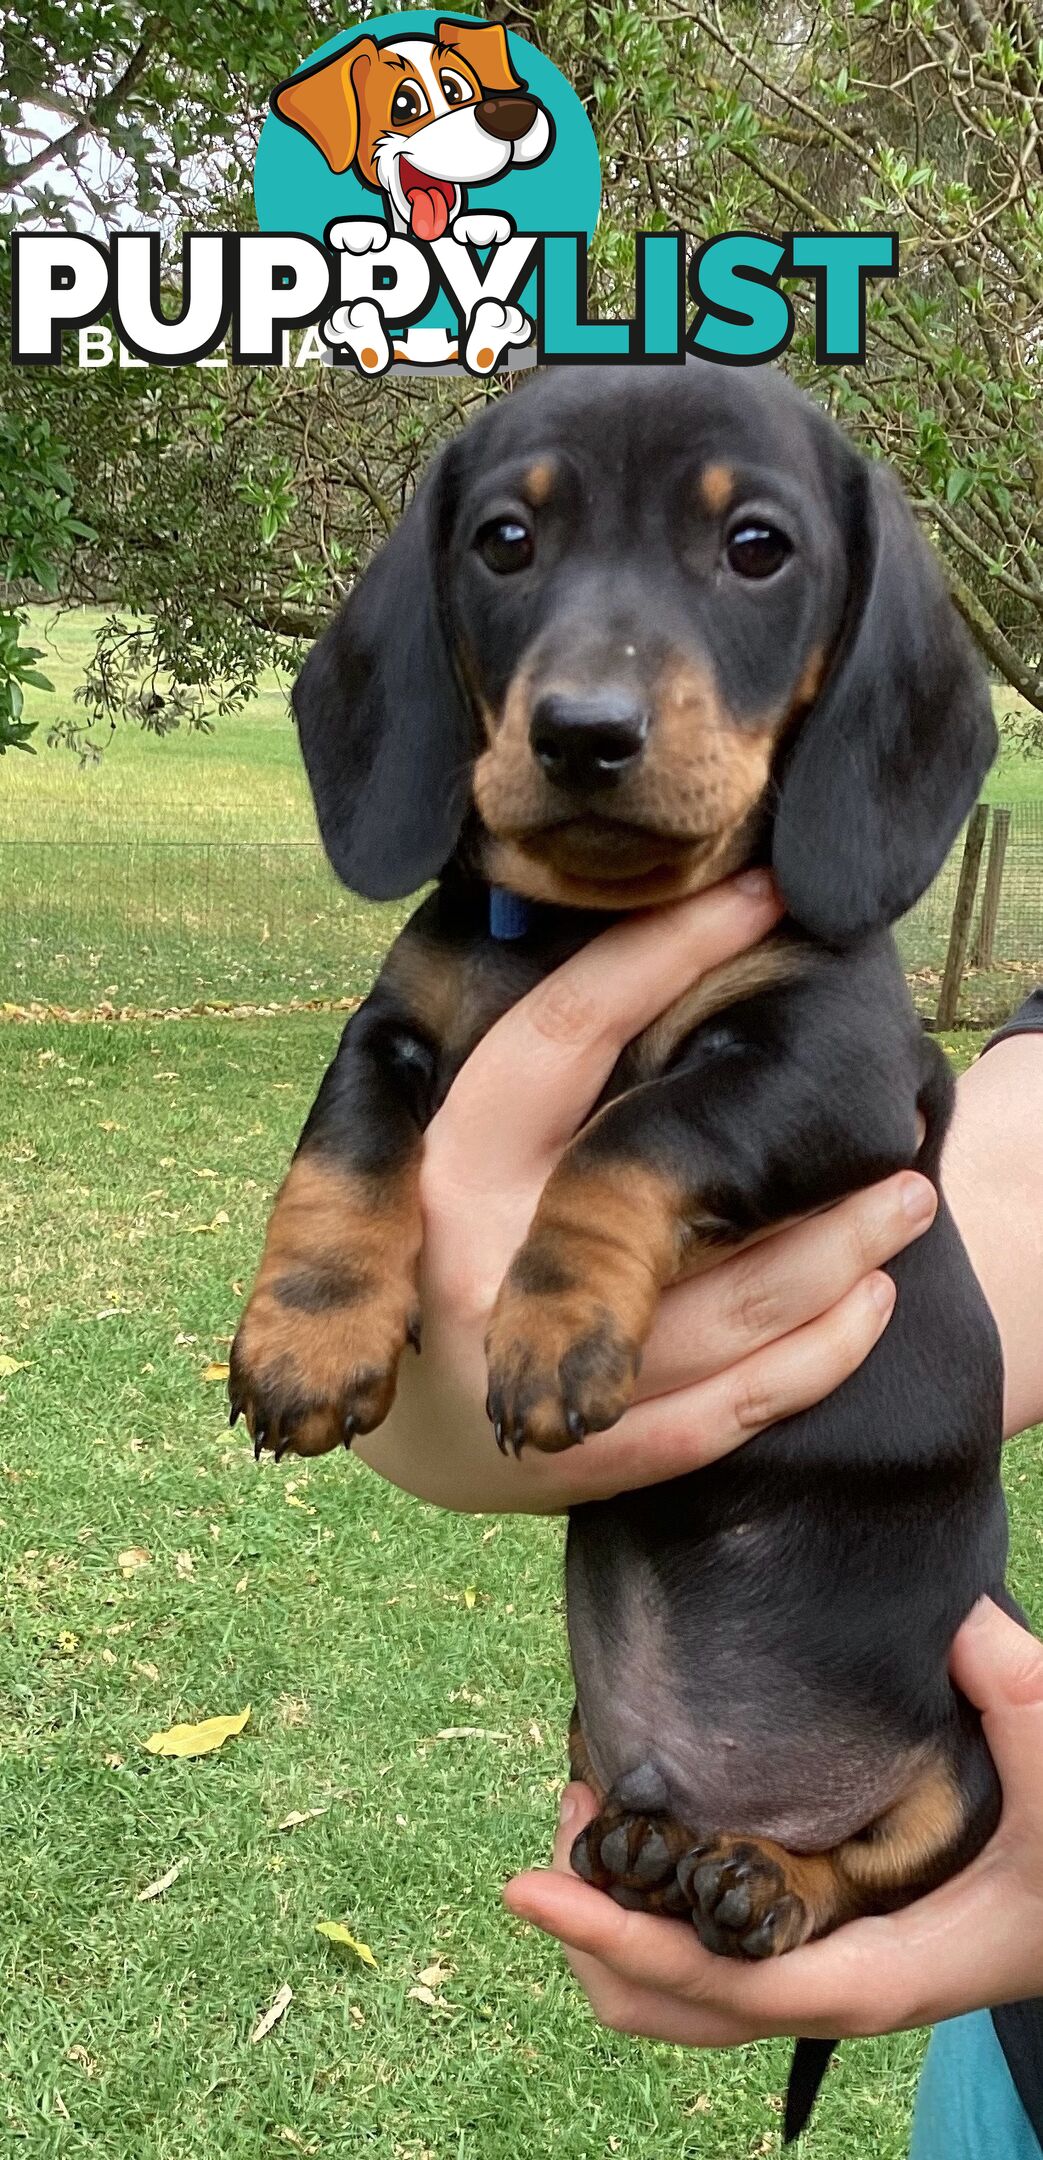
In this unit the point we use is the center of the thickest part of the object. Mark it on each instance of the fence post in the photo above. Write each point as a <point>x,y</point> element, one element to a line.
<point>990,906</point>
<point>960,934</point>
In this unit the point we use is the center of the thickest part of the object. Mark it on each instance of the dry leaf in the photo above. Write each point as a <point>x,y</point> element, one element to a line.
<point>147,1670</point>
<point>9,1365</point>
<point>424,1995</point>
<point>341,1939</point>
<point>469,1732</point>
<point>294,1820</point>
<point>137,1556</point>
<point>189,1740</point>
<point>433,1975</point>
<point>80,2056</point>
<point>215,1372</point>
<point>280,2005</point>
<point>162,1883</point>
<point>185,1565</point>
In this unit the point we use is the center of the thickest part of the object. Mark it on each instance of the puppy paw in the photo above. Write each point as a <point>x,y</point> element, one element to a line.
<point>360,327</point>
<point>357,236</point>
<point>493,328</point>
<point>559,1368</point>
<point>483,228</point>
<point>633,1857</point>
<point>313,1363</point>
<point>740,1900</point>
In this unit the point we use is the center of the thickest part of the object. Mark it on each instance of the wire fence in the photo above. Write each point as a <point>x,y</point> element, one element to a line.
<point>156,926</point>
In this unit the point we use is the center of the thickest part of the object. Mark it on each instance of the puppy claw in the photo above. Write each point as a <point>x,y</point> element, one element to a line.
<point>413,1332</point>
<point>284,1446</point>
<point>350,1428</point>
<point>260,1437</point>
<point>235,1413</point>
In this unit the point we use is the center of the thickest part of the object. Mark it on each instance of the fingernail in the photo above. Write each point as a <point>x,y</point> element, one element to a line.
<point>569,1811</point>
<point>756,884</point>
<point>918,1200</point>
<point>882,1292</point>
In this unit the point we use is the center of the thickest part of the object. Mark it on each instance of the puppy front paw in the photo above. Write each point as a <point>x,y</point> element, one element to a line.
<point>313,1364</point>
<point>559,1368</point>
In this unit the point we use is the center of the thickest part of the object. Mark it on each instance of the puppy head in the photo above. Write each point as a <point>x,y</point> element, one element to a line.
<point>365,105</point>
<point>651,624</point>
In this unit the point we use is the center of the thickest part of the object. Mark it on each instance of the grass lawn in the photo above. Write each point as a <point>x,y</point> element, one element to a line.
<point>153,1575</point>
<point>136,1164</point>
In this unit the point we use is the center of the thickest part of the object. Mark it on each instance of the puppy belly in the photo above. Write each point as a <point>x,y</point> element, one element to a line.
<point>740,1739</point>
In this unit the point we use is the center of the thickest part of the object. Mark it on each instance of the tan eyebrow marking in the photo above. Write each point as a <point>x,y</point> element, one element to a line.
<point>539,480</point>
<point>716,483</point>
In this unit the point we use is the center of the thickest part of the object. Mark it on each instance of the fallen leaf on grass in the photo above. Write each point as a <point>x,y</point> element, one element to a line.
<point>426,1996</point>
<point>470,1594</point>
<point>433,1975</point>
<point>9,1365</point>
<point>136,1556</point>
<point>280,2005</point>
<point>342,1940</point>
<point>80,2057</point>
<point>162,1883</point>
<point>294,1820</point>
<point>202,1229</point>
<point>185,1565</point>
<point>215,1372</point>
<point>188,1740</point>
<point>470,1732</point>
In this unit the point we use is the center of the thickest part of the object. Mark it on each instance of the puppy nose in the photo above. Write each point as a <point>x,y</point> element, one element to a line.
<point>587,742</point>
<point>508,118</point>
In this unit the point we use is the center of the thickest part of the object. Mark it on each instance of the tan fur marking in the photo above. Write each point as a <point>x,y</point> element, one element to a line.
<point>329,1227</point>
<point>539,482</point>
<point>901,1845</point>
<point>810,682</point>
<point>716,483</point>
<point>764,967</point>
<point>604,1241</point>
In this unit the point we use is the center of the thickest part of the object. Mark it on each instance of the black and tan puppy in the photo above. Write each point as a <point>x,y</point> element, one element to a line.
<point>640,628</point>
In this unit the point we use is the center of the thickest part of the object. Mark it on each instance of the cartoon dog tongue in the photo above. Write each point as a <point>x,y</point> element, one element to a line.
<point>428,208</point>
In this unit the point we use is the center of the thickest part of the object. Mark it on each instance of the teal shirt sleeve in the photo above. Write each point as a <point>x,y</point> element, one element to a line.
<point>967,2107</point>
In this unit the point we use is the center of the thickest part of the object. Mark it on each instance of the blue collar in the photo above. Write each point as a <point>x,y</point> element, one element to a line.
<point>509,915</point>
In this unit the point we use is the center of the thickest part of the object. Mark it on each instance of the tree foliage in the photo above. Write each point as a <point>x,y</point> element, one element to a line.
<point>225,509</point>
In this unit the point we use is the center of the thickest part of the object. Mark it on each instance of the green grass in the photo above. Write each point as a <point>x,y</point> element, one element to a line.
<point>136,1162</point>
<point>135,1165</point>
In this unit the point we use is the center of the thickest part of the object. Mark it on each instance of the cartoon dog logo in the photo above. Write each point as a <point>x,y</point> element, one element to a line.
<point>422,119</point>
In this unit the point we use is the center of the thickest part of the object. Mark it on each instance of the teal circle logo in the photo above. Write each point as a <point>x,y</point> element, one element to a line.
<point>431,154</point>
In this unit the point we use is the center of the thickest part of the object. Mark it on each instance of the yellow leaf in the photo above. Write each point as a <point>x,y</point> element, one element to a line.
<point>469,1597</point>
<point>280,2004</point>
<point>201,1739</point>
<point>215,1372</point>
<point>137,1556</point>
<point>9,1365</point>
<point>162,1883</point>
<point>334,1933</point>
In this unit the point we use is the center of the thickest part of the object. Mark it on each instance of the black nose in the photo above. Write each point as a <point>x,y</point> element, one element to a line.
<point>507,118</point>
<point>587,742</point>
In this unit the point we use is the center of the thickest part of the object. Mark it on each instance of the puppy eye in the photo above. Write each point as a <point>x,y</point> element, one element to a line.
<point>756,549</point>
<point>505,544</point>
<point>406,105</point>
<point>454,89</point>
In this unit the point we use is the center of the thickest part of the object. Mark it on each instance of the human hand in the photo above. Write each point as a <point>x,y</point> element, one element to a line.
<point>758,1338</point>
<point>975,1942</point>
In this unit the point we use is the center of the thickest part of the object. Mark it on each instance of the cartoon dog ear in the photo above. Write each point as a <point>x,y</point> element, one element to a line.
<point>484,47</point>
<point>384,725</point>
<point>324,102</point>
<point>892,754</point>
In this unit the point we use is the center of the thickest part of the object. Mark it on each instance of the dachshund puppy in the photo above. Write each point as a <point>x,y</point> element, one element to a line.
<point>640,628</point>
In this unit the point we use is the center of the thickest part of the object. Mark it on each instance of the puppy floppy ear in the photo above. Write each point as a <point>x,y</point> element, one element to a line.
<point>323,103</point>
<point>484,47</point>
<point>891,757</point>
<point>384,725</point>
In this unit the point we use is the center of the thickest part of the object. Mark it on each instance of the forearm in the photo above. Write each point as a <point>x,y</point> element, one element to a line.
<point>993,1178</point>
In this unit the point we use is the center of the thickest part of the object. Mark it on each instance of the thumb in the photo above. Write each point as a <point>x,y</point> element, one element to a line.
<point>999,1667</point>
<point>578,1807</point>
